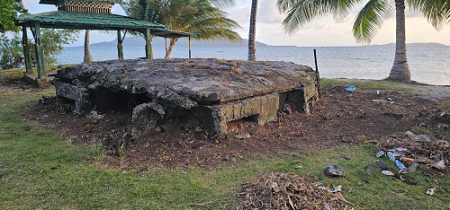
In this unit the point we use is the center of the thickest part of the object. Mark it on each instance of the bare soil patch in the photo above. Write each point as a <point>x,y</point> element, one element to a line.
<point>339,117</point>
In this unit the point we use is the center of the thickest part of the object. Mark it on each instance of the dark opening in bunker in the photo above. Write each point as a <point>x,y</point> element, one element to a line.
<point>107,100</point>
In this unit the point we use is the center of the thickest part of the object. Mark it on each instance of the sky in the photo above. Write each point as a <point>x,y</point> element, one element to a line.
<point>324,31</point>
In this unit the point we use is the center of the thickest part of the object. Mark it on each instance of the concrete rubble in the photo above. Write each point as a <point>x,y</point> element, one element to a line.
<point>211,91</point>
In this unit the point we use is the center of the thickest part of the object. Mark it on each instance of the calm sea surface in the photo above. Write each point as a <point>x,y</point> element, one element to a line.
<point>427,64</point>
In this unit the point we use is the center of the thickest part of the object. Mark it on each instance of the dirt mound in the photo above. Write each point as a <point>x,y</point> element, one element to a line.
<point>288,191</point>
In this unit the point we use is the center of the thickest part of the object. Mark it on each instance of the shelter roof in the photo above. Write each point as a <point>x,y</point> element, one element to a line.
<point>95,21</point>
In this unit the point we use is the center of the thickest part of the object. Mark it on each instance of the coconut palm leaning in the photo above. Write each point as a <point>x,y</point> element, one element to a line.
<point>252,32</point>
<point>368,20</point>
<point>194,16</point>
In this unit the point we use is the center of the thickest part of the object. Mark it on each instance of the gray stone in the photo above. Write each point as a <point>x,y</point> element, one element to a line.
<point>223,90</point>
<point>371,169</point>
<point>382,165</point>
<point>334,170</point>
<point>245,136</point>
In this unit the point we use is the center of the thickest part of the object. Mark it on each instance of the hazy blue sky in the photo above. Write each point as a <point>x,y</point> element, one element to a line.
<point>322,32</point>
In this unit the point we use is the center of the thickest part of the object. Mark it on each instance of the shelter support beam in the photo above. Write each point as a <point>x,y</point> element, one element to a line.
<point>148,46</point>
<point>189,46</point>
<point>26,50</point>
<point>39,53</point>
<point>119,45</point>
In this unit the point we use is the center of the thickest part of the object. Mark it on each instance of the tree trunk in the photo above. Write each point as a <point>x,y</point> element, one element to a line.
<point>87,51</point>
<point>172,44</point>
<point>252,32</point>
<point>400,69</point>
<point>22,5</point>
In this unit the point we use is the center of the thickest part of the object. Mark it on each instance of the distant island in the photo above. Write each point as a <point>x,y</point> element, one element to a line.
<point>183,42</point>
<point>430,44</point>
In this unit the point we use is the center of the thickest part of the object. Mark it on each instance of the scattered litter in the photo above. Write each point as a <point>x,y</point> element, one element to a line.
<point>387,173</point>
<point>337,189</point>
<point>288,191</point>
<point>334,170</point>
<point>379,101</point>
<point>391,156</point>
<point>298,167</point>
<point>397,149</point>
<point>413,167</point>
<point>405,159</point>
<point>245,136</point>
<point>351,88</point>
<point>431,191</point>
<point>417,149</point>
<point>95,115</point>
<point>380,154</point>
<point>382,165</point>
<point>400,166</point>
<point>371,169</point>
<point>440,165</point>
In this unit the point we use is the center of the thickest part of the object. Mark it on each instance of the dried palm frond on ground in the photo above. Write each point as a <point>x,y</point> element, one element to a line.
<point>288,191</point>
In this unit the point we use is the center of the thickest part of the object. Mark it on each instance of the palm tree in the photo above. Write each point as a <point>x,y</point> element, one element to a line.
<point>194,16</point>
<point>368,20</point>
<point>87,51</point>
<point>252,32</point>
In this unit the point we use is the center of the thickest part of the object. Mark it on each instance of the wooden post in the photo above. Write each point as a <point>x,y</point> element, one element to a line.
<point>148,47</point>
<point>39,53</point>
<point>317,73</point>
<point>26,50</point>
<point>119,45</point>
<point>189,46</point>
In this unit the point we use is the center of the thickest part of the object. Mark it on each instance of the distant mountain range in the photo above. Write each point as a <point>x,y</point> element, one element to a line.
<point>183,42</point>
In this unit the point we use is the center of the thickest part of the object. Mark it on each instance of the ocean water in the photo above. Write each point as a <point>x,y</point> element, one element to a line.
<point>428,64</point>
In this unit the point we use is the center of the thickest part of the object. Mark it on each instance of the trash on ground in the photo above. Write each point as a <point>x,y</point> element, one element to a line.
<point>334,170</point>
<point>380,154</point>
<point>400,165</point>
<point>298,167</point>
<point>382,165</point>
<point>288,191</point>
<point>245,136</point>
<point>417,149</point>
<point>371,169</point>
<point>387,173</point>
<point>431,191</point>
<point>351,88</point>
<point>391,156</point>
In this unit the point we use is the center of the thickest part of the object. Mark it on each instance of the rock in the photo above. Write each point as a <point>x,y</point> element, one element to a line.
<point>382,165</point>
<point>334,170</point>
<point>245,136</point>
<point>371,169</point>
<point>94,115</point>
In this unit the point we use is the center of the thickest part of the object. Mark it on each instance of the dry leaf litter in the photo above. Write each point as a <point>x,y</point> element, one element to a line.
<point>289,191</point>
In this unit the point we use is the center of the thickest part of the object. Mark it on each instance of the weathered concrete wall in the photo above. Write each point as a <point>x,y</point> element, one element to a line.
<point>216,91</point>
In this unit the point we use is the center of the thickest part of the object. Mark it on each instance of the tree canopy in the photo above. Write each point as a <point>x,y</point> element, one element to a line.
<point>11,50</point>
<point>194,16</point>
<point>9,9</point>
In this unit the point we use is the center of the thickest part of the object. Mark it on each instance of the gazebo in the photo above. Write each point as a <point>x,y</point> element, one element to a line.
<point>86,15</point>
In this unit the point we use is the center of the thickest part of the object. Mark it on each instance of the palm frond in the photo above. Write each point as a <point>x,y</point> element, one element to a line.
<point>300,12</point>
<point>437,12</point>
<point>370,19</point>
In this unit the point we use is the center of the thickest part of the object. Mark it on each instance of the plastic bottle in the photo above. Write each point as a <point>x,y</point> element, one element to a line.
<point>391,156</point>
<point>380,154</point>
<point>400,165</point>
<point>405,159</point>
<point>399,149</point>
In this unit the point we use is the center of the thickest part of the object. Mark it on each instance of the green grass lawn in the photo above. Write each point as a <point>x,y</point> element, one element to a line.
<point>39,171</point>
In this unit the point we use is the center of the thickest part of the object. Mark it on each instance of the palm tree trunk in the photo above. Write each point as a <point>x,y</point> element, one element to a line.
<point>400,69</point>
<point>87,51</point>
<point>172,44</point>
<point>22,5</point>
<point>252,32</point>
